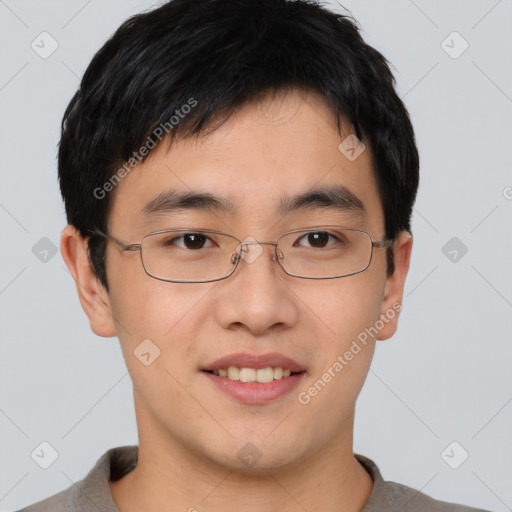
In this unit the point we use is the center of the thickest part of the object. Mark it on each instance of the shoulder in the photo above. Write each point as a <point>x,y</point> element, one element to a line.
<point>55,503</point>
<point>412,500</point>
<point>92,493</point>
<point>388,496</point>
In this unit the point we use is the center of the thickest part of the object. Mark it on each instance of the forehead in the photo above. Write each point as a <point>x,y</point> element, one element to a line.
<point>258,164</point>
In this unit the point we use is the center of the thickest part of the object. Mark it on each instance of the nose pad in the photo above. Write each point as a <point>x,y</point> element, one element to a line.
<point>279,255</point>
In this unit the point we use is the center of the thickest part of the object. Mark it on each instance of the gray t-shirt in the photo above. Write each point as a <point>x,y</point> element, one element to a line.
<point>93,492</point>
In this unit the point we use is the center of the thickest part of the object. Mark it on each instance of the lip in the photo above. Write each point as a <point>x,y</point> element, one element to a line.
<point>256,361</point>
<point>255,393</point>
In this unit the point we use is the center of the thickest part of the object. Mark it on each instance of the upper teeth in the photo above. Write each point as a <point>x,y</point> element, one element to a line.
<point>252,375</point>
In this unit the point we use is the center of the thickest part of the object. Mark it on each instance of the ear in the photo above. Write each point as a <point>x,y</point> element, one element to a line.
<point>91,293</point>
<point>394,290</point>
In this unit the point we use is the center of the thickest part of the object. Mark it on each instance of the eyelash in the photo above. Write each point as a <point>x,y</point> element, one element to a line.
<point>182,237</point>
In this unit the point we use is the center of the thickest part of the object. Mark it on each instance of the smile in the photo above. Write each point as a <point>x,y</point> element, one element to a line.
<point>262,375</point>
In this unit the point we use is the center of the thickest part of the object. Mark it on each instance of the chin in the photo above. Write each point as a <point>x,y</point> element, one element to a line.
<point>257,457</point>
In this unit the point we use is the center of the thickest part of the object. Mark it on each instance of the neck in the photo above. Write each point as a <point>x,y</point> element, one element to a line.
<point>169,477</point>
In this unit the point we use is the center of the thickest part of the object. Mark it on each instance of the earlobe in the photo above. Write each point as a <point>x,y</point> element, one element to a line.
<point>91,293</point>
<point>392,302</point>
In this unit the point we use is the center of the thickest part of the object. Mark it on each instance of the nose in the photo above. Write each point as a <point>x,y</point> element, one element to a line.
<point>257,298</point>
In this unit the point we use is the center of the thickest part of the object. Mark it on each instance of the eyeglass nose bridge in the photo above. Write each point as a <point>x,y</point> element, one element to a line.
<point>235,258</point>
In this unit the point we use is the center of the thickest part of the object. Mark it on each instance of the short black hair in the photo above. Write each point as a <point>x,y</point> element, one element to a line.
<point>218,56</point>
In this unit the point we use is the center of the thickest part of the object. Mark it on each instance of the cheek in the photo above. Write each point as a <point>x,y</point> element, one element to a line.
<point>148,307</point>
<point>165,320</point>
<point>348,306</point>
<point>348,352</point>
<point>347,312</point>
<point>156,322</point>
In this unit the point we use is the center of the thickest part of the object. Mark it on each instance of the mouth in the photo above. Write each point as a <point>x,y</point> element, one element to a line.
<point>261,375</point>
<point>255,378</point>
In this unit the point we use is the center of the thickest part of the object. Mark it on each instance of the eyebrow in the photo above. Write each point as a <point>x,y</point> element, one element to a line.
<point>171,200</point>
<point>336,197</point>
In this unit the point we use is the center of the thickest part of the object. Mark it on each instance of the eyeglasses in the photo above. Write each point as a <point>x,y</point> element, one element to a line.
<point>189,255</point>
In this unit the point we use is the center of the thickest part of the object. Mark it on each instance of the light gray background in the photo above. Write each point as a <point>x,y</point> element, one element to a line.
<point>445,376</point>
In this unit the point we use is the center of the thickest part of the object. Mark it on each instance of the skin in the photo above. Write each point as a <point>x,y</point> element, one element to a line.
<point>189,431</point>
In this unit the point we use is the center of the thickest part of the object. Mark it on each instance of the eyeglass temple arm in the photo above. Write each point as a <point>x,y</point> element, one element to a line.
<point>123,247</point>
<point>382,243</point>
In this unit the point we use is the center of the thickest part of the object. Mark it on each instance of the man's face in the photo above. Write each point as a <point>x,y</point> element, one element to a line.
<point>276,149</point>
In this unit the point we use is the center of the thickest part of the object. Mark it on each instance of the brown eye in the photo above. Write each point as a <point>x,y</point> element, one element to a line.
<point>194,240</point>
<point>316,239</point>
<point>191,241</point>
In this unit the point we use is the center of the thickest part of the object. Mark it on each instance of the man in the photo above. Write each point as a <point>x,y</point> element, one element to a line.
<point>239,177</point>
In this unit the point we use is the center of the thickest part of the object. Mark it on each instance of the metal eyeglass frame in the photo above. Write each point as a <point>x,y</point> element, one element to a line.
<point>235,258</point>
